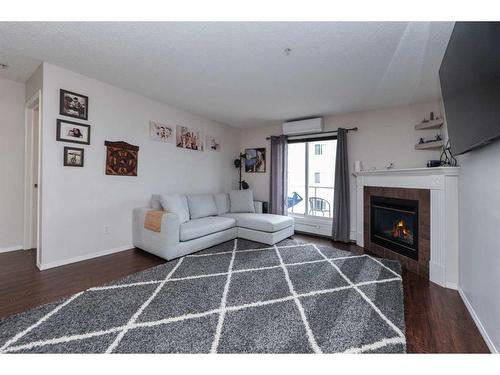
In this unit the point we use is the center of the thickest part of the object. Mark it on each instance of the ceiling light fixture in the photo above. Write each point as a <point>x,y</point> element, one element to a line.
<point>288,51</point>
<point>3,66</point>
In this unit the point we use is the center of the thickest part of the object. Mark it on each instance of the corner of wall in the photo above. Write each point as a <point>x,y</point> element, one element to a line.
<point>34,83</point>
<point>477,321</point>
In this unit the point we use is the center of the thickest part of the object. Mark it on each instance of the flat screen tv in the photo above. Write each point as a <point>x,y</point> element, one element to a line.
<point>470,85</point>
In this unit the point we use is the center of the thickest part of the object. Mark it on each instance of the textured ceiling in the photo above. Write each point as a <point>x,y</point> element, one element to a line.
<point>237,73</point>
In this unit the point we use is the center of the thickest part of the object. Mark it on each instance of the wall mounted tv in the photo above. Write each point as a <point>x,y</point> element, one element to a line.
<point>470,85</point>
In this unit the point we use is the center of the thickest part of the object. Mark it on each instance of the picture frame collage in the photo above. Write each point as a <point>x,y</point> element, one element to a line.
<point>183,136</point>
<point>74,105</point>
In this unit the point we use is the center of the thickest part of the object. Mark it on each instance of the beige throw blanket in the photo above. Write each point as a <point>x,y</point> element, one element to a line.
<point>152,221</point>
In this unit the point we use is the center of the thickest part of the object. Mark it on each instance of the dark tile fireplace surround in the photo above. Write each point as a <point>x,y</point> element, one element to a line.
<point>397,226</point>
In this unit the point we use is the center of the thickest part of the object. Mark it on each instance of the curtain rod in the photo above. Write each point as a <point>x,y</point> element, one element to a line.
<point>320,133</point>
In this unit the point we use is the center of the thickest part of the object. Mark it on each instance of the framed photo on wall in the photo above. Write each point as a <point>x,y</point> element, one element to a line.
<point>190,139</point>
<point>73,105</point>
<point>213,143</point>
<point>161,132</point>
<point>255,160</point>
<point>73,157</point>
<point>73,132</point>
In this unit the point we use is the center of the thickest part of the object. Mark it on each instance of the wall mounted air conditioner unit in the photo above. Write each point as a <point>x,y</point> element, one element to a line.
<point>311,125</point>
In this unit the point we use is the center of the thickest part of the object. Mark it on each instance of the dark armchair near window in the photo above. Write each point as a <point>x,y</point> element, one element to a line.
<point>319,205</point>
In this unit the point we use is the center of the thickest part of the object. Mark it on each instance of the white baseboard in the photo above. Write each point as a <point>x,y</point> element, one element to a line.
<point>62,262</point>
<point>318,225</point>
<point>11,248</point>
<point>479,325</point>
<point>437,274</point>
<point>313,226</point>
<point>453,286</point>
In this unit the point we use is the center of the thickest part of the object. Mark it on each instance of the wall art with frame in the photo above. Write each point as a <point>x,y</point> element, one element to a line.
<point>255,160</point>
<point>73,132</point>
<point>121,158</point>
<point>73,157</point>
<point>74,105</point>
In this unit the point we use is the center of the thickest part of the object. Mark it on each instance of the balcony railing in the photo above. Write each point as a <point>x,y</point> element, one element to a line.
<point>318,201</point>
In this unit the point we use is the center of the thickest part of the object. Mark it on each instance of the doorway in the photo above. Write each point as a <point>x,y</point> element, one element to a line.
<point>32,175</point>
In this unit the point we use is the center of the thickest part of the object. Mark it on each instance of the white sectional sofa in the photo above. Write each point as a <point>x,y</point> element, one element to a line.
<point>196,222</point>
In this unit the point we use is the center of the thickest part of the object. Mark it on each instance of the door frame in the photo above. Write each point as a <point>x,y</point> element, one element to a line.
<point>29,212</point>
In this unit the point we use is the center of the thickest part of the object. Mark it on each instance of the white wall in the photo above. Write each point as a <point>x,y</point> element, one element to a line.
<point>479,215</point>
<point>384,136</point>
<point>11,164</point>
<point>79,202</point>
<point>34,83</point>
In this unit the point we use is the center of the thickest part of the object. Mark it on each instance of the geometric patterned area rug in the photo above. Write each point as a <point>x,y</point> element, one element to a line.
<point>236,297</point>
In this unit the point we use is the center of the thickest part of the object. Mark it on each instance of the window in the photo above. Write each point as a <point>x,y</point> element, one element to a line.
<point>311,174</point>
<point>316,177</point>
<point>318,149</point>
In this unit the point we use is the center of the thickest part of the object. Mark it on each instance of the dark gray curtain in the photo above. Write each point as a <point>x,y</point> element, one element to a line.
<point>277,197</point>
<point>341,216</point>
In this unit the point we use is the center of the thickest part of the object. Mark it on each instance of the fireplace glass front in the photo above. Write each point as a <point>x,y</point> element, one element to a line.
<point>394,224</point>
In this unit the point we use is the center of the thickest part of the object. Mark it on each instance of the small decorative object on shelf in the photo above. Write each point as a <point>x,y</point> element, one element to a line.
<point>433,163</point>
<point>433,144</point>
<point>390,166</point>
<point>434,124</point>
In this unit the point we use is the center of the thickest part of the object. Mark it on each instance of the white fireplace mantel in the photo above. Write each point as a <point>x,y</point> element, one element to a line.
<point>443,185</point>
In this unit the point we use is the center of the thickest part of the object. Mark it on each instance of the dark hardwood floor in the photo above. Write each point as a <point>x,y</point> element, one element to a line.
<point>23,286</point>
<point>437,320</point>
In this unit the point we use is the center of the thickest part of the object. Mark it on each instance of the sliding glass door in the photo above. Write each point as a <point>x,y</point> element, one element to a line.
<point>297,183</point>
<point>311,175</point>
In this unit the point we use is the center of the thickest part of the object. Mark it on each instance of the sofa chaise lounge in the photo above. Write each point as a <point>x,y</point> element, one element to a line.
<point>196,222</point>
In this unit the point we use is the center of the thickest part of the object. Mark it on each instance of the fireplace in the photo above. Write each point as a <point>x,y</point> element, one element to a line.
<point>394,224</point>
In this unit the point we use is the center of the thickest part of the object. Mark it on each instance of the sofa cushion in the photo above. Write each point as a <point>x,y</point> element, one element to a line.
<point>262,222</point>
<point>176,203</point>
<point>222,203</point>
<point>241,201</point>
<point>156,202</point>
<point>201,205</point>
<point>204,226</point>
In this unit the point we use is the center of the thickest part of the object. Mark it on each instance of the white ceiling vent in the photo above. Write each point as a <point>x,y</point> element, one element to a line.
<point>311,125</point>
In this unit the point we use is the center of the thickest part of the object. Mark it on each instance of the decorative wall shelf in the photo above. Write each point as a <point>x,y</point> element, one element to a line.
<point>429,145</point>
<point>434,124</point>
